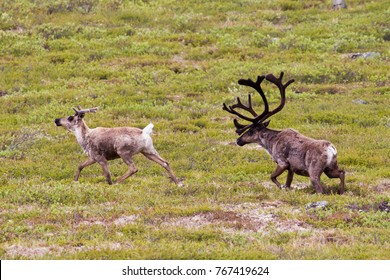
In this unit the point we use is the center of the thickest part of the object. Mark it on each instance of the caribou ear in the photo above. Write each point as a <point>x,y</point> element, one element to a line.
<point>266,123</point>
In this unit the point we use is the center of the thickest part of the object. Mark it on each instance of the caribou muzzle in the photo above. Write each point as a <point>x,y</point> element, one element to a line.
<point>240,142</point>
<point>58,122</point>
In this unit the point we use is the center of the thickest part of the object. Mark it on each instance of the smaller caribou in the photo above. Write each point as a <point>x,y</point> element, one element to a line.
<point>104,144</point>
<point>291,150</point>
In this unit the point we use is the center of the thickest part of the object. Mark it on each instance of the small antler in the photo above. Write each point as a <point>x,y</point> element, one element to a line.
<point>83,111</point>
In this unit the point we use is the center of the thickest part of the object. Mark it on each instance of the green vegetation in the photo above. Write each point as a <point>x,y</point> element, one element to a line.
<point>174,63</point>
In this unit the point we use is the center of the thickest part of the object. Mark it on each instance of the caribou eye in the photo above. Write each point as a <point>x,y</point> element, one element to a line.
<point>250,132</point>
<point>70,118</point>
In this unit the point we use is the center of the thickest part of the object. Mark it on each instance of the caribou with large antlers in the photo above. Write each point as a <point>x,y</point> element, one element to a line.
<point>291,150</point>
<point>104,144</point>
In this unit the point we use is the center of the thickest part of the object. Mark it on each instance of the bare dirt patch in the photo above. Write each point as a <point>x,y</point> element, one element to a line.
<point>245,217</point>
<point>39,252</point>
<point>125,220</point>
<point>27,252</point>
<point>121,221</point>
<point>382,187</point>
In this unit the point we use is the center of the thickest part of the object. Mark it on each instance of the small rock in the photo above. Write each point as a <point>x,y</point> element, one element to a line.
<point>384,206</point>
<point>364,55</point>
<point>318,204</point>
<point>339,4</point>
<point>360,101</point>
<point>370,54</point>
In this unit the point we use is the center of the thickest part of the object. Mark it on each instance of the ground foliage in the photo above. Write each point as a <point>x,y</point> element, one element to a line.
<point>174,63</point>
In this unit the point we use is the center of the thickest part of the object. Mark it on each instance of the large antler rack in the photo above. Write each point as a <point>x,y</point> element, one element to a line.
<point>266,113</point>
<point>83,111</point>
<point>282,88</point>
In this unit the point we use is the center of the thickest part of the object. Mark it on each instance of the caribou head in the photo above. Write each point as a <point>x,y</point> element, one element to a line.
<point>70,123</point>
<point>251,133</point>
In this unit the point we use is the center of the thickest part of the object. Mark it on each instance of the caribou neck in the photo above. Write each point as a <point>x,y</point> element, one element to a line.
<point>267,138</point>
<point>82,135</point>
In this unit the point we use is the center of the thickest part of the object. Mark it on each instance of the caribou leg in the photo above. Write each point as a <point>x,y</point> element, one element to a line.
<point>279,170</point>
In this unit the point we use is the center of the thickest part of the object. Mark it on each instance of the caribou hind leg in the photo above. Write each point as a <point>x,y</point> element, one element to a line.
<point>315,180</point>
<point>154,156</point>
<point>132,168</point>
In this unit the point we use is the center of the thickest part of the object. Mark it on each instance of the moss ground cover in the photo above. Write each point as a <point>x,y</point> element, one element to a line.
<point>174,63</point>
